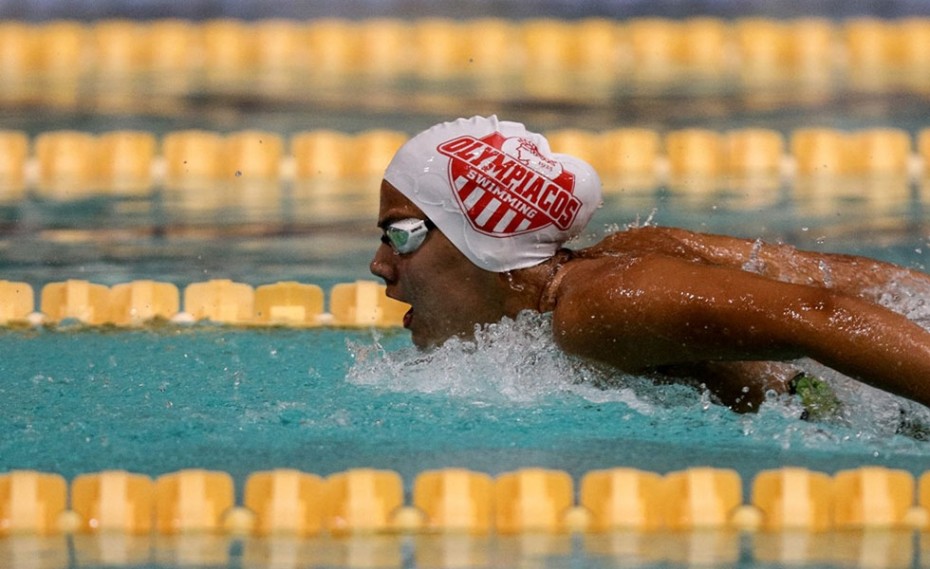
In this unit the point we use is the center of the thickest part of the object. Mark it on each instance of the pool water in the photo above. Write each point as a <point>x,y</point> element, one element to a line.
<point>80,399</point>
<point>160,400</point>
<point>157,400</point>
<point>240,401</point>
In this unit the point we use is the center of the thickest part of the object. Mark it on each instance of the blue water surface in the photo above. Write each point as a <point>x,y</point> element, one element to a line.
<point>154,401</point>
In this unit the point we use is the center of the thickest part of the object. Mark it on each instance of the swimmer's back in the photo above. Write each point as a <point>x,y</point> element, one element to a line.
<point>849,274</point>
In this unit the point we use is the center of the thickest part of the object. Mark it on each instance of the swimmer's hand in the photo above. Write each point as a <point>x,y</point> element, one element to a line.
<point>817,397</point>
<point>820,402</point>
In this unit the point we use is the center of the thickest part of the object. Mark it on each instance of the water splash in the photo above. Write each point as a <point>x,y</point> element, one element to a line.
<point>511,362</point>
<point>755,264</point>
<point>908,296</point>
<point>516,364</point>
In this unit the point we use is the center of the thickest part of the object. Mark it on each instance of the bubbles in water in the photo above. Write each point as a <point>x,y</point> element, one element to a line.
<point>908,297</point>
<point>755,264</point>
<point>513,361</point>
<point>516,363</point>
<point>826,273</point>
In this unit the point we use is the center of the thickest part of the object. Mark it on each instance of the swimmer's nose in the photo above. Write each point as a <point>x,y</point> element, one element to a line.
<point>382,264</point>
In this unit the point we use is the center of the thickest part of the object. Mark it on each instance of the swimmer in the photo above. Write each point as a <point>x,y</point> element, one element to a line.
<point>475,214</point>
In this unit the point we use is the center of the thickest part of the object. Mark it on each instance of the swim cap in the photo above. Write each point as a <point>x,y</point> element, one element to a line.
<point>495,190</point>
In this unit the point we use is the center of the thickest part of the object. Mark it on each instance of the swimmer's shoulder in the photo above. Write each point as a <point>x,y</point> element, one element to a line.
<point>649,239</point>
<point>598,266</point>
<point>601,266</point>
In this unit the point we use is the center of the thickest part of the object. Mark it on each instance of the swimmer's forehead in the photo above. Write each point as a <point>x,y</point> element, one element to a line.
<point>395,206</point>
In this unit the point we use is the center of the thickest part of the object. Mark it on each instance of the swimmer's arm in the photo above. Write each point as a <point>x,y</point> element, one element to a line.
<point>658,311</point>
<point>858,276</point>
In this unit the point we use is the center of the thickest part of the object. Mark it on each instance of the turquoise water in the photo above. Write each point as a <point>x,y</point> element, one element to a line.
<point>79,399</point>
<point>159,400</point>
<point>156,401</point>
<point>82,399</point>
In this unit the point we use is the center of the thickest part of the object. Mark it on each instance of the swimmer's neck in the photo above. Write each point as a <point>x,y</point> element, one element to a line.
<point>534,288</point>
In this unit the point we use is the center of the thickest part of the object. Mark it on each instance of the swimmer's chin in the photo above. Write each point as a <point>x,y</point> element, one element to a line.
<point>426,343</point>
<point>427,340</point>
<point>419,339</point>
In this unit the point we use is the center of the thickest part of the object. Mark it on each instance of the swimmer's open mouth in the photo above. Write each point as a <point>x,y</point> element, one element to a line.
<point>408,318</point>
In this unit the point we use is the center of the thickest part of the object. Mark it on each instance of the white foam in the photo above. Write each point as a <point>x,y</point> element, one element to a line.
<point>516,362</point>
<point>907,296</point>
<point>513,361</point>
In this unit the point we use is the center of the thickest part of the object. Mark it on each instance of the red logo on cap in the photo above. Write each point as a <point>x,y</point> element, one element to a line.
<point>506,186</point>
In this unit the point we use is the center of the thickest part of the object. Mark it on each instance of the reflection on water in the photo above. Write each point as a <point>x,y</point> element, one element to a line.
<point>287,404</point>
<point>287,76</point>
<point>878,548</point>
<point>319,231</point>
<point>323,229</point>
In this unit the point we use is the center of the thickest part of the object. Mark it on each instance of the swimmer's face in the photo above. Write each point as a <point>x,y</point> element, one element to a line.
<point>448,294</point>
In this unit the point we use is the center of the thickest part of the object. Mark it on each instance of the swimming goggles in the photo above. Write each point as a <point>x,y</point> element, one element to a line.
<point>406,236</point>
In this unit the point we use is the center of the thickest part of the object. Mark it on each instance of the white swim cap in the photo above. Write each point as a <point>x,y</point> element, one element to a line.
<point>496,190</point>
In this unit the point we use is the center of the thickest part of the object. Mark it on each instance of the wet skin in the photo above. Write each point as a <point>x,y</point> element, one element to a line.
<point>449,294</point>
<point>723,311</point>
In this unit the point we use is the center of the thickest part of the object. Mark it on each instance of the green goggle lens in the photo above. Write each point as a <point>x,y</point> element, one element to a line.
<point>406,236</point>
